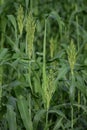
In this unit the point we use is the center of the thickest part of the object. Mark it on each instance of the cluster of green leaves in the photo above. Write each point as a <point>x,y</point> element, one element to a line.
<point>43,65</point>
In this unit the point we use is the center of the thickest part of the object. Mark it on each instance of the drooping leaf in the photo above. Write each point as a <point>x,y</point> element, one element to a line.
<point>56,16</point>
<point>58,112</point>
<point>58,124</point>
<point>38,117</point>
<point>62,72</point>
<point>13,21</point>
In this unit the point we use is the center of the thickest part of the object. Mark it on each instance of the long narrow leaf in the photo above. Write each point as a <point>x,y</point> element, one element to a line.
<point>11,118</point>
<point>23,109</point>
<point>58,124</point>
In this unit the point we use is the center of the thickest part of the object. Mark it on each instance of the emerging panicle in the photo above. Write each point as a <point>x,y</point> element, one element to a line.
<point>50,88</point>
<point>71,51</point>
<point>30,30</point>
<point>20,18</point>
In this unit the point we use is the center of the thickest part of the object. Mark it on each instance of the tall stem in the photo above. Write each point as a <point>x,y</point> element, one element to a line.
<point>46,120</point>
<point>72,117</point>
<point>44,68</point>
<point>31,5</point>
<point>44,76</point>
<point>72,111</point>
<point>78,100</point>
<point>77,30</point>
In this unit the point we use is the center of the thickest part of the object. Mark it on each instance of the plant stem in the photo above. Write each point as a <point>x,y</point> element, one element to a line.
<point>78,102</point>
<point>31,4</point>
<point>77,30</point>
<point>30,84</point>
<point>44,67</point>
<point>44,54</point>
<point>72,117</point>
<point>30,120</point>
<point>46,120</point>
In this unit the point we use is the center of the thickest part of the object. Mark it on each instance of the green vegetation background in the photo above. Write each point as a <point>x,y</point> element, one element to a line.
<point>43,65</point>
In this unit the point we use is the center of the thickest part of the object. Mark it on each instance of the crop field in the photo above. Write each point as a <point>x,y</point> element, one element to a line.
<point>43,64</point>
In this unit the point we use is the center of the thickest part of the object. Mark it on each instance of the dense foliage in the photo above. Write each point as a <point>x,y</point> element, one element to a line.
<point>43,65</point>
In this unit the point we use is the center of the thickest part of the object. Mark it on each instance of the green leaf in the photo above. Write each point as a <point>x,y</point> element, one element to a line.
<point>11,118</point>
<point>85,62</point>
<point>81,85</point>
<point>62,71</point>
<point>72,89</point>
<point>3,53</point>
<point>12,44</point>
<point>24,112</point>
<point>27,3</point>
<point>13,21</point>
<point>72,93</point>
<point>58,124</point>
<point>56,16</point>
<point>58,112</point>
<point>38,117</point>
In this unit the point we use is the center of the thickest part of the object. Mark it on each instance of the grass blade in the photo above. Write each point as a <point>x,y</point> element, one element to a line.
<point>23,109</point>
<point>11,118</point>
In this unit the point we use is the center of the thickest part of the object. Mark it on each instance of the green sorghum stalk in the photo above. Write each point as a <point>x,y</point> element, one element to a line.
<point>20,18</point>
<point>30,30</point>
<point>51,47</point>
<point>72,54</point>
